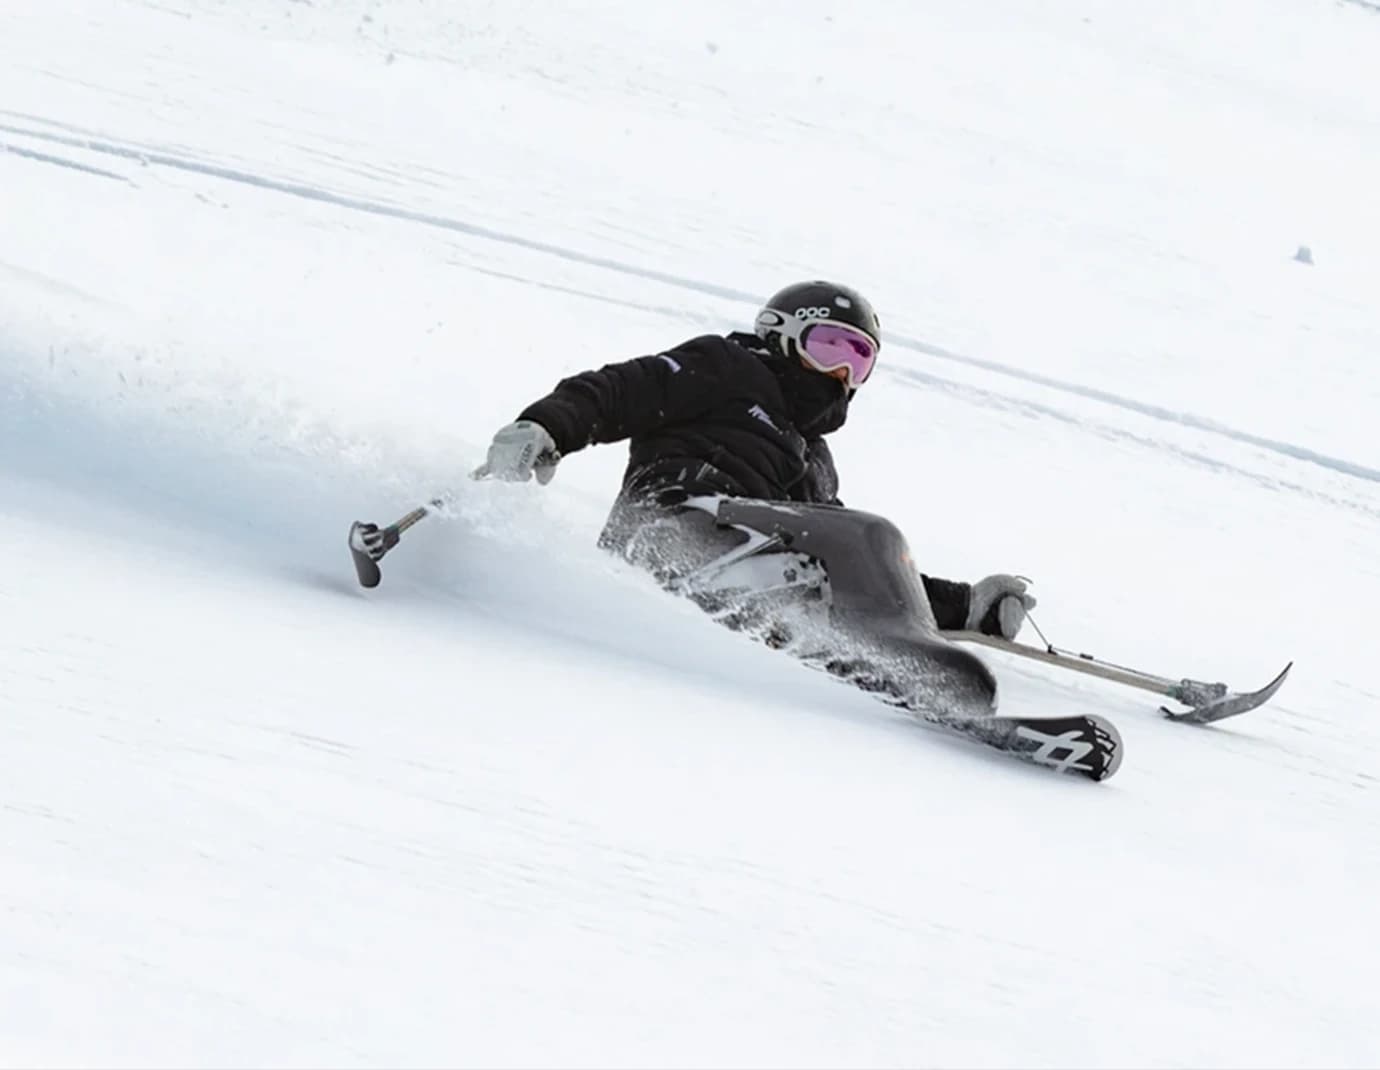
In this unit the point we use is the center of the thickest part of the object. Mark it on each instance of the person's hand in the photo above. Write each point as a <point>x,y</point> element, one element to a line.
<point>518,451</point>
<point>997,605</point>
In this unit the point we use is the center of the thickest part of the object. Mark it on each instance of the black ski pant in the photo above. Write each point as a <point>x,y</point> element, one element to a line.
<point>878,602</point>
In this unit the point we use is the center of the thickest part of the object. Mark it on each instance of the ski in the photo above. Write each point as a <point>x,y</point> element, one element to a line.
<point>368,542</point>
<point>1084,745</point>
<point>1207,702</point>
<point>1218,706</point>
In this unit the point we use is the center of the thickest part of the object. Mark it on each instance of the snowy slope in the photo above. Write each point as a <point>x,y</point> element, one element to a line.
<point>268,267</point>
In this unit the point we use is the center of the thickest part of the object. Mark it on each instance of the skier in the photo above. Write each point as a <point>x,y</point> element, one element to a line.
<point>730,484</point>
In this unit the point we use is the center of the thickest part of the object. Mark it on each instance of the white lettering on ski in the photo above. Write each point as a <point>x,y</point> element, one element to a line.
<point>1071,741</point>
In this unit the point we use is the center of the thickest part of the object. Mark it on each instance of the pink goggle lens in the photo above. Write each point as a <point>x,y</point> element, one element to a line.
<point>831,346</point>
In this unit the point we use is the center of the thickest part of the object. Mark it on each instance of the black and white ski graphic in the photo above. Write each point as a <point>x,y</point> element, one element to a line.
<point>1084,745</point>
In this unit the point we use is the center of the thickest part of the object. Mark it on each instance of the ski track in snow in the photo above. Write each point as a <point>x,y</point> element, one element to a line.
<point>103,144</point>
<point>517,807</point>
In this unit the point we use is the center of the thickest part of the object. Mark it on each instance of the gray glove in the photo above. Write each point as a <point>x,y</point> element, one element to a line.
<point>518,451</point>
<point>997,605</point>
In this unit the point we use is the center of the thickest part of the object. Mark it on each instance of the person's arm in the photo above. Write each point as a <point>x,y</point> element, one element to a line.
<point>948,600</point>
<point>634,397</point>
<point>995,605</point>
<point>614,402</point>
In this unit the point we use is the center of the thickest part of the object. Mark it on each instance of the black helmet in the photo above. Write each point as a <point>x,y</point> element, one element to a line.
<point>788,314</point>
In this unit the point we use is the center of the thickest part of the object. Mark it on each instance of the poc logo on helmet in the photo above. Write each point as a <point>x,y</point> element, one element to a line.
<point>812,313</point>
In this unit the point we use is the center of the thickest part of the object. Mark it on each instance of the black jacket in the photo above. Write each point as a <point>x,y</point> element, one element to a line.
<point>715,415</point>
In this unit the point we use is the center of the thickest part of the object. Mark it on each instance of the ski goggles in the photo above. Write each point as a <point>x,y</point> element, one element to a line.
<point>828,347</point>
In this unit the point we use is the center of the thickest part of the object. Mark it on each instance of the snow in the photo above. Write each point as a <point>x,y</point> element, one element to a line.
<point>269,267</point>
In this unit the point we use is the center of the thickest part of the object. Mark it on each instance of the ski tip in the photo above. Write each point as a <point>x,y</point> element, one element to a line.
<point>1087,745</point>
<point>1231,705</point>
<point>1110,746</point>
<point>367,572</point>
<point>366,568</point>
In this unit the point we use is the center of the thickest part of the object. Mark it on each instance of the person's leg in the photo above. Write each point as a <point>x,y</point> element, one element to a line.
<point>754,565</point>
<point>745,580</point>
<point>877,601</point>
<point>670,541</point>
